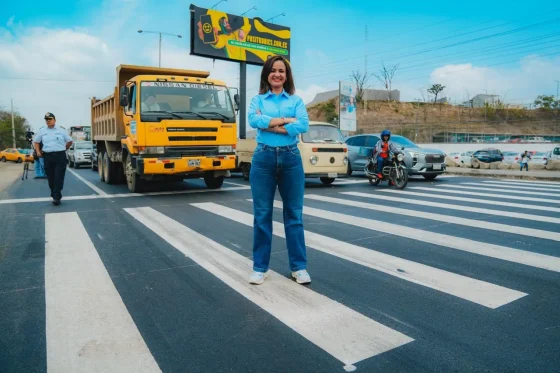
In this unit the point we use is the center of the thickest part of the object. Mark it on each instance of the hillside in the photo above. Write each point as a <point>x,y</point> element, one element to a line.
<point>429,120</point>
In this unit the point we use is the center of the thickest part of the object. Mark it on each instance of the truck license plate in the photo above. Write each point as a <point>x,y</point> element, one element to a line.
<point>437,167</point>
<point>333,176</point>
<point>194,162</point>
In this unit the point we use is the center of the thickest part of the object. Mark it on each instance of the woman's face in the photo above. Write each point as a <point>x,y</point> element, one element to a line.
<point>277,76</point>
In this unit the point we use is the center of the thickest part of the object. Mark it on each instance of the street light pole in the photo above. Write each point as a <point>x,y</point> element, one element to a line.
<point>160,34</point>
<point>242,14</point>
<point>278,15</point>
<point>13,125</point>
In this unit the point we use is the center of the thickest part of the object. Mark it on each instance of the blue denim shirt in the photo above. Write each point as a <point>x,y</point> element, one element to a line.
<point>278,106</point>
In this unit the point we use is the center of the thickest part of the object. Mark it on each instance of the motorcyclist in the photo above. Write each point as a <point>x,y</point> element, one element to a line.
<point>382,149</point>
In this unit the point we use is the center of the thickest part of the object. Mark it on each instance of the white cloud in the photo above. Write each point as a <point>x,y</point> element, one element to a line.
<point>534,76</point>
<point>57,71</point>
<point>10,22</point>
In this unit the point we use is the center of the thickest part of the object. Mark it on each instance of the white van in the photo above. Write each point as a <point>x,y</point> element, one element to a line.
<point>322,147</point>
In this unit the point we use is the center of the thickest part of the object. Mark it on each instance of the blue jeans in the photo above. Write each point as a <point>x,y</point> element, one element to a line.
<point>526,165</point>
<point>280,167</point>
<point>380,161</point>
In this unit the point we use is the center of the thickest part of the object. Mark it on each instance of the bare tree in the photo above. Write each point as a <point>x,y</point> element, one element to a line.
<point>360,80</point>
<point>435,90</point>
<point>385,76</point>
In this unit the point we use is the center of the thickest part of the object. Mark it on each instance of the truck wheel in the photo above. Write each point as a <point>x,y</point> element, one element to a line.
<point>108,169</point>
<point>246,170</point>
<point>213,182</point>
<point>327,180</point>
<point>100,166</point>
<point>133,181</point>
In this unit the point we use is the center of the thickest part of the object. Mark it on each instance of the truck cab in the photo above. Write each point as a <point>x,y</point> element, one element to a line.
<point>322,147</point>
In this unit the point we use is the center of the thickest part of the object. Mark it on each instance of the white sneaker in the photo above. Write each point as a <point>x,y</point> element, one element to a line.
<point>302,277</point>
<point>257,278</point>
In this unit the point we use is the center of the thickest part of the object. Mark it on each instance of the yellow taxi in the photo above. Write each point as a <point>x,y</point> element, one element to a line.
<point>16,155</point>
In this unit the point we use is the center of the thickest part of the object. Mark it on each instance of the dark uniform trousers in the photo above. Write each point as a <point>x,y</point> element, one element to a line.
<point>55,167</point>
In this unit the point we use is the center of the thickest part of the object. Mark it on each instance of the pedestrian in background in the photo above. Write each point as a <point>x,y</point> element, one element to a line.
<point>525,161</point>
<point>55,143</point>
<point>40,165</point>
<point>279,116</point>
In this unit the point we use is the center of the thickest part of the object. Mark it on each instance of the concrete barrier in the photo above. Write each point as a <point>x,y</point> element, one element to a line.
<point>553,165</point>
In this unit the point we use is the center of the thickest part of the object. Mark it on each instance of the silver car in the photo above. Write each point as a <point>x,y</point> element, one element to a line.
<point>79,153</point>
<point>419,161</point>
<point>539,158</point>
<point>511,157</point>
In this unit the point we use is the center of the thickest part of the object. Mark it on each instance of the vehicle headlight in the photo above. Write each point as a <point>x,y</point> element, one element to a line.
<point>345,161</point>
<point>400,157</point>
<point>225,149</point>
<point>413,154</point>
<point>313,160</point>
<point>153,150</point>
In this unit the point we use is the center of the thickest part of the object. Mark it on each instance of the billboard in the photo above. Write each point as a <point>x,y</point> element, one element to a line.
<point>347,106</point>
<point>225,36</point>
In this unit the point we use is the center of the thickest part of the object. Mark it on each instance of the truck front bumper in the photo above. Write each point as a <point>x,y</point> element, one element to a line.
<point>185,165</point>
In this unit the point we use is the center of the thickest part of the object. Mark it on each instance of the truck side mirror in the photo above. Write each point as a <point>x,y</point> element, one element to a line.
<point>123,98</point>
<point>237,100</point>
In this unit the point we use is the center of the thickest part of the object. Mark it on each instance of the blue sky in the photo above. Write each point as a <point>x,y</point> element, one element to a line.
<point>85,40</point>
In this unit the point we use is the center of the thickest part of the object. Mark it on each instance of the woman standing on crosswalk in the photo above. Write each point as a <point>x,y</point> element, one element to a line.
<point>279,117</point>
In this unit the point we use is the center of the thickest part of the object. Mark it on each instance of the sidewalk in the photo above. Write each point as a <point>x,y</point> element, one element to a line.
<point>9,173</point>
<point>510,174</point>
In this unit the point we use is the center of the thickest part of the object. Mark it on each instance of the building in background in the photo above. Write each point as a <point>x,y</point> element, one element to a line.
<point>480,100</point>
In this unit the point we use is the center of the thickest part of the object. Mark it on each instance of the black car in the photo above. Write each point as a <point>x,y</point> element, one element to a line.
<point>489,155</point>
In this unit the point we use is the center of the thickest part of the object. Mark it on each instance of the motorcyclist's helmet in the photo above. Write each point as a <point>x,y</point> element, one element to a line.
<point>386,133</point>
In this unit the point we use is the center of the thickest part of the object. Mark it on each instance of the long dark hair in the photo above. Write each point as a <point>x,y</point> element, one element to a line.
<point>289,85</point>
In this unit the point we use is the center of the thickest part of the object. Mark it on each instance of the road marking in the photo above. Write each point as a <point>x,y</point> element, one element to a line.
<point>88,327</point>
<point>121,195</point>
<point>534,182</point>
<point>520,188</point>
<point>518,215</point>
<point>350,181</point>
<point>96,189</point>
<point>480,292</point>
<point>509,254</point>
<point>340,331</point>
<point>497,190</point>
<point>475,200</point>
<point>548,186</point>
<point>236,184</point>
<point>500,196</point>
<point>513,229</point>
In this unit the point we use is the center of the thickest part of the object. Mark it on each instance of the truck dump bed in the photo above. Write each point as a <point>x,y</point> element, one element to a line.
<point>106,114</point>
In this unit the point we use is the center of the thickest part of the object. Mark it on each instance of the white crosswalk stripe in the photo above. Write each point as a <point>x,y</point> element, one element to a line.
<point>492,195</point>
<point>529,182</point>
<point>523,187</point>
<point>517,191</point>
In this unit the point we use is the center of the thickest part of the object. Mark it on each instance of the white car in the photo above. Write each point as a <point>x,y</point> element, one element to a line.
<point>79,153</point>
<point>511,157</point>
<point>464,157</point>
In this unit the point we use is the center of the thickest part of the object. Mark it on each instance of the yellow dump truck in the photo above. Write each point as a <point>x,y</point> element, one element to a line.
<point>165,124</point>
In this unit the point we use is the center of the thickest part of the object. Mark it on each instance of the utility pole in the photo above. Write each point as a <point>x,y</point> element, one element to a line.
<point>365,72</point>
<point>13,125</point>
<point>160,34</point>
<point>557,108</point>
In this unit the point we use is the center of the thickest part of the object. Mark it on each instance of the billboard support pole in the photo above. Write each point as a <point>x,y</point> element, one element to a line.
<point>243,99</point>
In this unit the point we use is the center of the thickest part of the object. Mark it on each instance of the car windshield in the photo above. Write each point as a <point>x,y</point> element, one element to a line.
<point>510,153</point>
<point>403,141</point>
<point>540,154</point>
<point>323,134</point>
<point>84,145</point>
<point>24,151</point>
<point>186,100</point>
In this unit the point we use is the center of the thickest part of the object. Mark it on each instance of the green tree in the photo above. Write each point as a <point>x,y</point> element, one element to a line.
<point>21,126</point>
<point>435,90</point>
<point>547,102</point>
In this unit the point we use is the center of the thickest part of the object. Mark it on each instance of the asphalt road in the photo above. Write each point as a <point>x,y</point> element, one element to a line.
<point>434,278</point>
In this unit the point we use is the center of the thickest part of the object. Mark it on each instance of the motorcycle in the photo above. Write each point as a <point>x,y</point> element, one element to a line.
<point>394,170</point>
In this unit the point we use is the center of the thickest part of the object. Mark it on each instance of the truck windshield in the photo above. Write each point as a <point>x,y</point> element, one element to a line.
<point>323,134</point>
<point>186,101</point>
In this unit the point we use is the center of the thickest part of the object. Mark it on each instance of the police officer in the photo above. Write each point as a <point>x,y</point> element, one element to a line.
<point>55,143</point>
